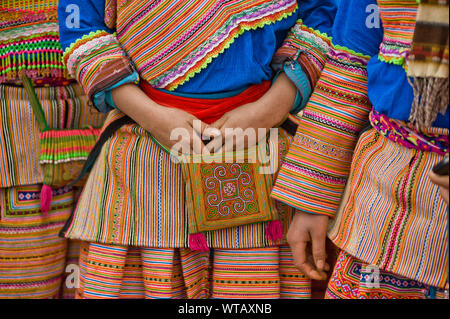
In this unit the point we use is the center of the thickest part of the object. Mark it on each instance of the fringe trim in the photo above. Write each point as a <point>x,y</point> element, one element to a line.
<point>58,146</point>
<point>198,242</point>
<point>34,65</point>
<point>46,199</point>
<point>34,6</point>
<point>430,99</point>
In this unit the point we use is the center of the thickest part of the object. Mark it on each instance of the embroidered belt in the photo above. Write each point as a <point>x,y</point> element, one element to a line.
<point>434,140</point>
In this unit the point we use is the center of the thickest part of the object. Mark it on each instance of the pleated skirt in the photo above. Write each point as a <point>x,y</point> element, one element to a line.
<point>391,215</point>
<point>108,271</point>
<point>32,256</point>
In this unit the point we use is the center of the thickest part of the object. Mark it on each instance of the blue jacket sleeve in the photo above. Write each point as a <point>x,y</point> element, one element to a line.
<point>302,54</point>
<point>315,170</point>
<point>318,14</point>
<point>92,52</point>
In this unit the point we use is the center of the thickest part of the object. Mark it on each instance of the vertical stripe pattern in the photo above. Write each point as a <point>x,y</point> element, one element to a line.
<point>392,215</point>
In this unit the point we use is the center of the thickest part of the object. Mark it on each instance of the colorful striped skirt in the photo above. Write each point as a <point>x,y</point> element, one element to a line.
<point>32,256</point>
<point>135,196</point>
<point>71,270</point>
<point>354,279</point>
<point>108,271</point>
<point>391,215</point>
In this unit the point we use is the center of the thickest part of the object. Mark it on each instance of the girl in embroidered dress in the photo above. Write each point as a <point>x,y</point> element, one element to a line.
<point>388,218</point>
<point>165,65</point>
<point>33,257</point>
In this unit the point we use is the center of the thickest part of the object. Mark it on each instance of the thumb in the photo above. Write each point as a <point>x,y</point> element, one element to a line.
<point>319,250</point>
<point>210,133</point>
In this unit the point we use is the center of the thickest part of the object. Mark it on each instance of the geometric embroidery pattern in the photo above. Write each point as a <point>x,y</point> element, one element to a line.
<point>226,191</point>
<point>229,190</point>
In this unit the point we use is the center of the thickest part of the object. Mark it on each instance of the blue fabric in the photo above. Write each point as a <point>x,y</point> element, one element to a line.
<point>244,63</point>
<point>247,61</point>
<point>349,29</point>
<point>207,96</point>
<point>391,94</point>
<point>92,13</point>
<point>388,88</point>
<point>296,74</point>
<point>103,100</point>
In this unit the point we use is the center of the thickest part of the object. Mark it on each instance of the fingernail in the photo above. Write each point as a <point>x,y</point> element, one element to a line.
<point>320,264</point>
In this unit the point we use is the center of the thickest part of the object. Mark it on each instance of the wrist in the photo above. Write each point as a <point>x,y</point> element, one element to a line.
<point>282,99</point>
<point>312,215</point>
<point>154,114</point>
<point>132,101</point>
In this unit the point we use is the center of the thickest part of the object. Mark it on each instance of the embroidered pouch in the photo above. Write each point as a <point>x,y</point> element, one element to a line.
<point>62,152</point>
<point>224,190</point>
<point>232,189</point>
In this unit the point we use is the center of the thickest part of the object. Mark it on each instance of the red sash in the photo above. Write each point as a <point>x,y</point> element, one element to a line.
<point>206,110</point>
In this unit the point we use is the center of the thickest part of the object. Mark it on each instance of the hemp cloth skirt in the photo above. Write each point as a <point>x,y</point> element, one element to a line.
<point>33,257</point>
<point>391,215</point>
<point>132,219</point>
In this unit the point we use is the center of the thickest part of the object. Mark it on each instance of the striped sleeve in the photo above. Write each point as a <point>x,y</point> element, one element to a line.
<point>302,54</point>
<point>308,42</point>
<point>315,170</point>
<point>92,52</point>
<point>307,47</point>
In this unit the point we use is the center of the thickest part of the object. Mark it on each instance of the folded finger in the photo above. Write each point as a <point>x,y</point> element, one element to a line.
<point>319,251</point>
<point>439,180</point>
<point>197,143</point>
<point>300,261</point>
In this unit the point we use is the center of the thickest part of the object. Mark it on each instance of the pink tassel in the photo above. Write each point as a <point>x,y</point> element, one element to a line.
<point>198,242</point>
<point>274,230</point>
<point>46,199</point>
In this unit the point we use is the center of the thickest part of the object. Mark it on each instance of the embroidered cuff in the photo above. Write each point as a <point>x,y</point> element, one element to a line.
<point>307,46</point>
<point>103,100</point>
<point>315,170</point>
<point>97,61</point>
<point>295,73</point>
